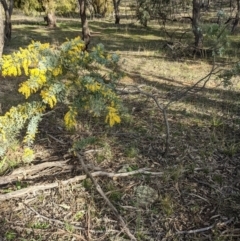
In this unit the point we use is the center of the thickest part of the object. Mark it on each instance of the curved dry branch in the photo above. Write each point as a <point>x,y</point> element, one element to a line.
<point>164,108</point>
<point>160,107</point>
<point>100,191</point>
<point>28,172</point>
<point>36,188</point>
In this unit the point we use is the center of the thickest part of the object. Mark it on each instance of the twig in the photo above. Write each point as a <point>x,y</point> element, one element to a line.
<point>160,107</point>
<point>88,217</point>
<point>28,172</point>
<point>99,189</point>
<point>34,189</point>
<point>15,227</point>
<point>44,217</point>
<point>57,140</point>
<point>79,237</point>
<point>164,109</point>
<point>207,77</point>
<point>63,223</point>
<point>204,229</point>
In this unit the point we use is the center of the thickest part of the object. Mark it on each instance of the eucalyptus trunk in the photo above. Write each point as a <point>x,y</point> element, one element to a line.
<point>1,32</point>
<point>85,29</point>
<point>197,31</point>
<point>8,8</point>
<point>236,21</point>
<point>51,20</point>
<point>116,4</point>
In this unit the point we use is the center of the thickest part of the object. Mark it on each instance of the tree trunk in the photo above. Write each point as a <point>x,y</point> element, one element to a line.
<point>8,26</point>
<point>85,29</point>
<point>8,13</point>
<point>51,20</point>
<point>1,31</point>
<point>197,31</point>
<point>116,11</point>
<point>236,21</point>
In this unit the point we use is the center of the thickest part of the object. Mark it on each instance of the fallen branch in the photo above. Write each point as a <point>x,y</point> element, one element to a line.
<point>26,172</point>
<point>193,231</point>
<point>99,189</point>
<point>206,228</point>
<point>20,228</point>
<point>43,169</point>
<point>34,189</point>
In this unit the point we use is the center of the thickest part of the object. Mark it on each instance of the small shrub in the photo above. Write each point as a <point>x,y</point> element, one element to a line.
<point>66,74</point>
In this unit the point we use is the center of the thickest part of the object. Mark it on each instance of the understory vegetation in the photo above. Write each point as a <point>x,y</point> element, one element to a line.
<point>156,125</point>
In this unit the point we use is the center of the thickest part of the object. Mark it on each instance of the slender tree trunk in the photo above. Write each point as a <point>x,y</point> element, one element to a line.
<point>51,20</point>
<point>1,31</point>
<point>116,11</point>
<point>197,31</point>
<point>85,29</point>
<point>8,13</point>
<point>236,21</point>
<point>49,8</point>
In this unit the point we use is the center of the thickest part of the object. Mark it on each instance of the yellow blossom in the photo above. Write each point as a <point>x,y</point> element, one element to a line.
<point>70,119</point>
<point>19,70</point>
<point>49,98</point>
<point>57,71</point>
<point>3,135</point>
<point>93,87</point>
<point>28,153</point>
<point>25,89</point>
<point>112,116</point>
<point>41,79</point>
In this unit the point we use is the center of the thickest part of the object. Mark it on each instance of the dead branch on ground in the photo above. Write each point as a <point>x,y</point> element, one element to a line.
<point>100,191</point>
<point>36,188</point>
<point>29,172</point>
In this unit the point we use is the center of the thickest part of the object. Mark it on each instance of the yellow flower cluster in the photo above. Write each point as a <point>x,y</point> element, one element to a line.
<point>57,71</point>
<point>9,68</point>
<point>24,58</point>
<point>48,98</point>
<point>40,76</point>
<point>25,65</point>
<point>28,153</point>
<point>75,48</point>
<point>70,119</point>
<point>25,89</point>
<point>39,46</point>
<point>112,116</point>
<point>93,87</point>
<point>29,137</point>
<point>11,71</point>
<point>3,135</point>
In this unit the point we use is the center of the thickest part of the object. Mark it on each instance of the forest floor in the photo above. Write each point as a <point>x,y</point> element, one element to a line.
<point>191,194</point>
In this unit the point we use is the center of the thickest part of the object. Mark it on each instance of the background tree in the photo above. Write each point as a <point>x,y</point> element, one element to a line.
<point>196,24</point>
<point>5,22</point>
<point>143,11</point>
<point>100,7</point>
<point>197,31</point>
<point>30,7</point>
<point>236,21</point>
<point>85,28</point>
<point>8,9</point>
<point>116,4</point>
<point>50,7</point>
<point>1,31</point>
